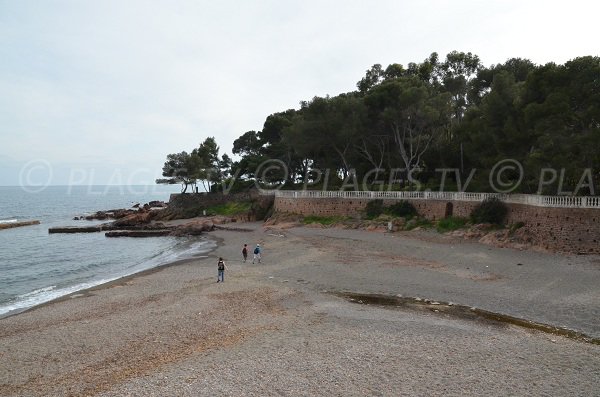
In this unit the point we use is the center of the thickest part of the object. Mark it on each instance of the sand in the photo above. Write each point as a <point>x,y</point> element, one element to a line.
<point>280,328</point>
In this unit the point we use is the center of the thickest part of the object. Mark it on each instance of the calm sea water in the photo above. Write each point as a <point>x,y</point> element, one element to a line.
<point>36,267</point>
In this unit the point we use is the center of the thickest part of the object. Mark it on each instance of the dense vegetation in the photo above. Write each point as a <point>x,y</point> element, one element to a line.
<point>438,124</point>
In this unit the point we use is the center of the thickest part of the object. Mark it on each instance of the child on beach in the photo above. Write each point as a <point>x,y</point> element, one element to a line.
<point>257,252</point>
<point>245,252</point>
<point>221,270</point>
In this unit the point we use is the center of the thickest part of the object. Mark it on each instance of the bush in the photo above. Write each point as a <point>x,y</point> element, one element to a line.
<point>402,209</point>
<point>374,208</point>
<point>229,208</point>
<point>417,222</point>
<point>262,210</point>
<point>491,210</point>
<point>516,226</point>
<point>451,223</point>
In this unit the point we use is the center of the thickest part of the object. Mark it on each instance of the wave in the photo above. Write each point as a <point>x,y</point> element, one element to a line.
<point>43,295</point>
<point>186,249</point>
<point>8,221</point>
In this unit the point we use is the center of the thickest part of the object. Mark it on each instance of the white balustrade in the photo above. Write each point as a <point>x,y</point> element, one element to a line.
<point>527,199</point>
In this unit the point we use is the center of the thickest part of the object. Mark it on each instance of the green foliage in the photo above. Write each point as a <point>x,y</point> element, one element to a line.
<point>323,220</point>
<point>516,226</point>
<point>230,208</point>
<point>418,222</point>
<point>179,168</point>
<point>374,208</point>
<point>451,223</point>
<point>491,210</point>
<point>441,113</point>
<point>402,208</point>
<point>260,210</point>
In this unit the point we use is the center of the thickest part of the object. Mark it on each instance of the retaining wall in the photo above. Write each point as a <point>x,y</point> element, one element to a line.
<point>575,230</point>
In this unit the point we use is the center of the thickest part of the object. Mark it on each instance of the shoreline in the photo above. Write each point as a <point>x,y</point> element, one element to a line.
<point>114,282</point>
<point>271,329</point>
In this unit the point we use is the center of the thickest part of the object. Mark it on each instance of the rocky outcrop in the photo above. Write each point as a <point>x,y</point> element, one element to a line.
<point>200,225</point>
<point>520,238</point>
<point>138,218</point>
<point>153,207</point>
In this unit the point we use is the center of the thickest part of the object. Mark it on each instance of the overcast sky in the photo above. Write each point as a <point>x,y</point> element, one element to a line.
<point>99,92</point>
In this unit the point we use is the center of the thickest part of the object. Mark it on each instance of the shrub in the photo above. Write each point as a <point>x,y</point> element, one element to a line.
<point>402,209</point>
<point>262,210</point>
<point>417,222</point>
<point>516,226</point>
<point>490,210</point>
<point>230,208</point>
<point>451,223</point>
<point>374,208</point>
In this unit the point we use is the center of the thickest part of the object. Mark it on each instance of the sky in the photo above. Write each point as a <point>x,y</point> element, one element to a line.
<point>99,92</point>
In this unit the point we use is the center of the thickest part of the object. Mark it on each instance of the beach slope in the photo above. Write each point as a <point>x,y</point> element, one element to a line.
<point>284,327</point>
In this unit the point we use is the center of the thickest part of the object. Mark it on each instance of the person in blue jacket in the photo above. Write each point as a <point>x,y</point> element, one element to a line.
<point>257,253</point>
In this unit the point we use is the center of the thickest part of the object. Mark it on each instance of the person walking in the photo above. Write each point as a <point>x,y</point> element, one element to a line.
<point>257,253</point>
<point>221,270</point>
<point>245,252</point>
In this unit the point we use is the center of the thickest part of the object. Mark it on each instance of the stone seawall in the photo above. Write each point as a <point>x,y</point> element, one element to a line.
<point>186,200</point>
<point>188,205</point>
<point>575,230</point>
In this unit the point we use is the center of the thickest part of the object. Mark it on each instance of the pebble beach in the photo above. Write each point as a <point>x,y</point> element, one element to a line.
<point>285,328</point>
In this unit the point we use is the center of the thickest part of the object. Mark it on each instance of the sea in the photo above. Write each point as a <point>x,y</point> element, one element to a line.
<point>36,267</point>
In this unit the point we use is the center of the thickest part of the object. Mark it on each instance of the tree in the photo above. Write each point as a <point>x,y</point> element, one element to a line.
<point>276,148</point>
<point>179,168</point>
<point>207,163</point>
<point>372,77</point>
<point>455,74</point>
<point>250,148</point>
<point>326,130</point>
<point>561,107</point>
<point>413,113</point>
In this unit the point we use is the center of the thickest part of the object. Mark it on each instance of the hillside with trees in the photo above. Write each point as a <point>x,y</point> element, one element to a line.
<point>405,127</point>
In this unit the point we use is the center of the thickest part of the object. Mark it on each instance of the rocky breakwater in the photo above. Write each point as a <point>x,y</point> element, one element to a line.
<point>152,207</point>
<point>143,221</point>
<point>142,225</point>
<point>14,223</point>
<point>137,218</point>
<point>194,227</point>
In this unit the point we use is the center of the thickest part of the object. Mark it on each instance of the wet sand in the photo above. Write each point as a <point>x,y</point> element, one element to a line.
<point>282,327</point>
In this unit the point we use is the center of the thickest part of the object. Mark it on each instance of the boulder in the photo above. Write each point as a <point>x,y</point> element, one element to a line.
<point>99,215</point>
<point>135,219</point>
<point>157,204</point>
<point>193,228</point>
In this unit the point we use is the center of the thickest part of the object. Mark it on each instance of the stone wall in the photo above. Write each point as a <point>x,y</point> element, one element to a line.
<point>430,209</point>
<point>186,200</point>
<point>188,205</point>
<point>575,230</point>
